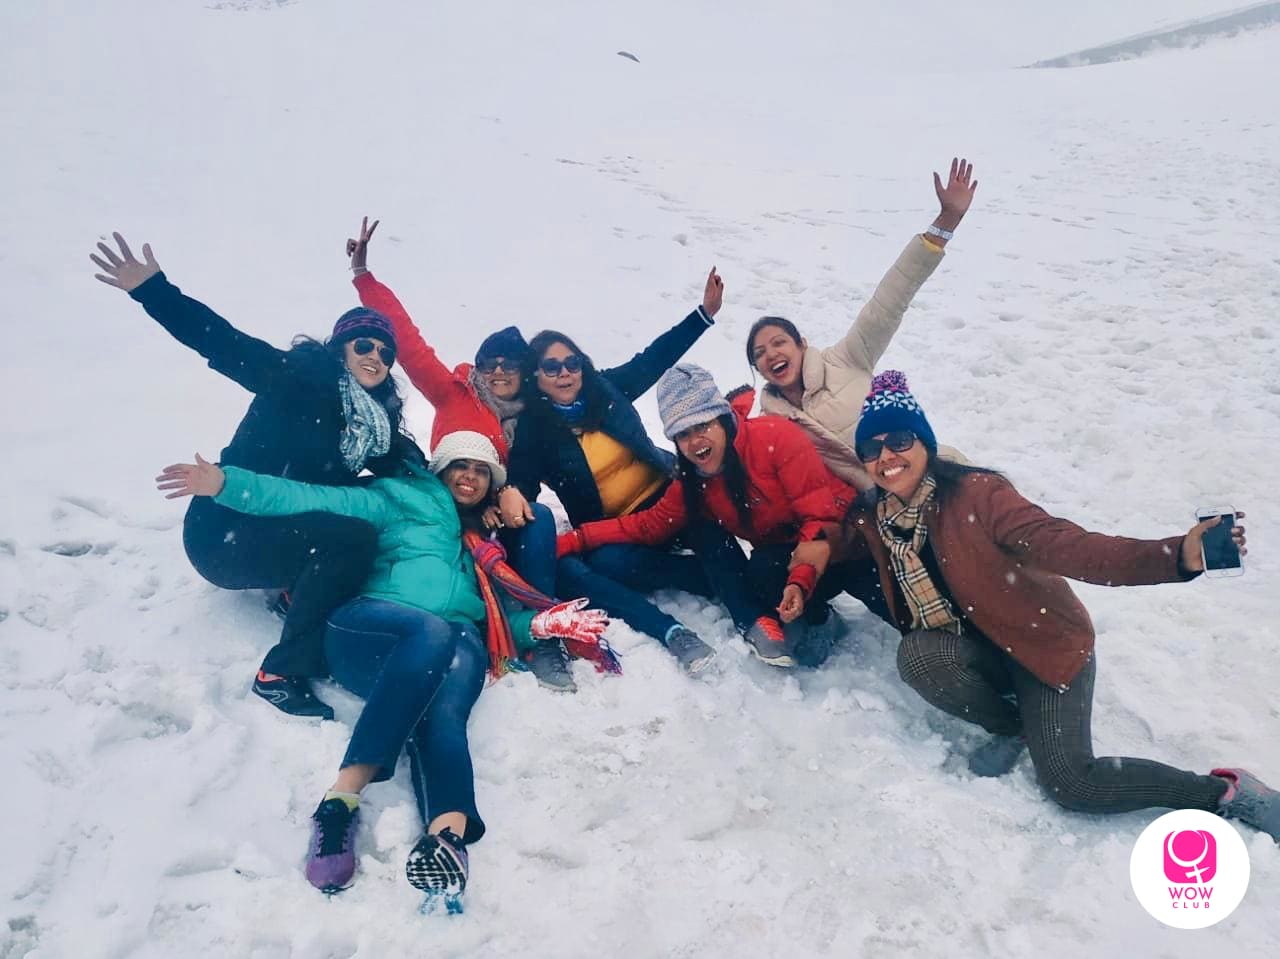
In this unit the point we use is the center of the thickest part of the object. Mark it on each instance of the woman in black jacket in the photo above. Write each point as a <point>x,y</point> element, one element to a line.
<point>321,413</point>
<point>580,434</point>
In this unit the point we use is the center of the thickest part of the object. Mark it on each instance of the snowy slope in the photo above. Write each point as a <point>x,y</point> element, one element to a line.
<point>1104,329</point>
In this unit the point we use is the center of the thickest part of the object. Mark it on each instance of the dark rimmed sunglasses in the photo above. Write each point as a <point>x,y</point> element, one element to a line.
<point>899,441</point>
<point>364,347</point>
<point>552,367</point>
<point>493,364</point>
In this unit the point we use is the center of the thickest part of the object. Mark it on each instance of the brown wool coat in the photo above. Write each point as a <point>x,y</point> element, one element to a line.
<point>1004,558</point>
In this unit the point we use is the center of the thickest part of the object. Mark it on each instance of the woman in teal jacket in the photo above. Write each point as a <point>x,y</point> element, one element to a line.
<point>409,644</point>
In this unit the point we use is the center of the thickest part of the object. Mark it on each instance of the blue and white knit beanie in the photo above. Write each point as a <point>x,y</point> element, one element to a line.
<point>359,322</point>
<point>468,445</point>
<point>891,406</point>
<point>687,396</point>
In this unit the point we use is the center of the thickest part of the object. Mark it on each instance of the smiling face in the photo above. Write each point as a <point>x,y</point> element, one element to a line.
<point>899,473</point>
<point>777,356</point>
<point>467,481</point>
<point>704,446</point>
<point>367,368</point>
<point>564,387</point>
<point>504,379</point>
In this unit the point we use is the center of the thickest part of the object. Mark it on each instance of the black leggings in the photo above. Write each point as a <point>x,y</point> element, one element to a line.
<point>321,558</point>
<point>969,677</point>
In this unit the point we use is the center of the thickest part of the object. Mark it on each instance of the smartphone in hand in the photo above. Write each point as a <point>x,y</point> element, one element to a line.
<point>1221,555</point>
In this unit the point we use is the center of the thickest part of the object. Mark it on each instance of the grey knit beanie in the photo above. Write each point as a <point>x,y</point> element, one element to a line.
<point>687,396</point>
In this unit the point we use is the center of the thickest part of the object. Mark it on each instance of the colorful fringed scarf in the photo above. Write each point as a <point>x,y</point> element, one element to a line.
<point>492,568</point>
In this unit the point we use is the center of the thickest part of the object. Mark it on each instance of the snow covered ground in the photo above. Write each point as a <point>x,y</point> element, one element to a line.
<point>1104,329</point>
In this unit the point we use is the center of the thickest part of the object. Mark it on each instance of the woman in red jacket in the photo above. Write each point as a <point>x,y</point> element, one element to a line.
<point>482,398</point>
<point>993,634</point>
<point>761,480</point>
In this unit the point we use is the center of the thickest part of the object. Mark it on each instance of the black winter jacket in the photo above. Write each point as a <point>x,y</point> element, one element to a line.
<point>546,451</point>
<point>295,421</point>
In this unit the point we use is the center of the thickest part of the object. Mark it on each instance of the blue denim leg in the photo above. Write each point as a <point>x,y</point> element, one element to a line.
<point>395,658</point>
<point>576,578</point>
<point>532,550</point>
<point>727,570</point>
<point>439,756</point>
<point>646,568</point>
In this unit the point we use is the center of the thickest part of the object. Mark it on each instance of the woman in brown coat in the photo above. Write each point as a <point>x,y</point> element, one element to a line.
<point>973,575</point>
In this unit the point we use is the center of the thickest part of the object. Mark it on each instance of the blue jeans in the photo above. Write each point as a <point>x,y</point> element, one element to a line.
<point>419,677</point>
<point>612,577</point>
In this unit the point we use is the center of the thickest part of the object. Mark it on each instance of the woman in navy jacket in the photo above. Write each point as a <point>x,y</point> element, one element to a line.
<point>581,435</point>
<point>321,413</point>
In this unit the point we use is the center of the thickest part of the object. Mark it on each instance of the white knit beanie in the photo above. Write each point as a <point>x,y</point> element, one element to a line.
<point>687,396</point>
<point>468,445</point>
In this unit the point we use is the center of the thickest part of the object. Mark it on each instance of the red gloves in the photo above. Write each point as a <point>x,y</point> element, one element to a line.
<point>570,543</point>
<point>571,620</point>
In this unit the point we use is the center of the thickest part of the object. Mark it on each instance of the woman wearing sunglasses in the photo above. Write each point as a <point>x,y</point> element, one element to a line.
<point>321,413</point>
<point>410,644</point>
<point>992,633</point>
<point>761,480</point>
<point>821,389</point>
<point>581,435</point>
<point>483,398</point>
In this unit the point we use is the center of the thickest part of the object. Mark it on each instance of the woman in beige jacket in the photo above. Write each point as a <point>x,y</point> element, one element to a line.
<point>822,389</point>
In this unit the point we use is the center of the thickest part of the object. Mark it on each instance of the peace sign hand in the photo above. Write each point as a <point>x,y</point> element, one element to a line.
<point>358,250</point>
<point>123,270</point>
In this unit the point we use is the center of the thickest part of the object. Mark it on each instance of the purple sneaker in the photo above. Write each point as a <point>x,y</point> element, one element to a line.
<point>331,862</point>
<point>1250,800</point>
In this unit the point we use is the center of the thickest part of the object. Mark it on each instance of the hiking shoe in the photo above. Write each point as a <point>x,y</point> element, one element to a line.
<point>331,861</point>
<point>997,757</point>
<point>768,643</point>
<point>550,666</point>
<point>438,864</point>
<point>689,650</point>
<point>1250,800</point>
<point>292,695</point>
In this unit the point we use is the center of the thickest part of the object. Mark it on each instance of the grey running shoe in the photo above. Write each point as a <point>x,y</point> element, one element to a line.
<point>689,649</point>
<point>997,757</point>
<point>1250,800</point>
<point>550,666</point>
<point>768,643</point>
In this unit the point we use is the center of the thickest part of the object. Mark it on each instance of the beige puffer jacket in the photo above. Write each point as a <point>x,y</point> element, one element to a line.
<point>836,380</point>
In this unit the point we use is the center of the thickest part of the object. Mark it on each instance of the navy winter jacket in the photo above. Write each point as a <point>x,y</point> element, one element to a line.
<point>546,451</point>
<point>295,420</point>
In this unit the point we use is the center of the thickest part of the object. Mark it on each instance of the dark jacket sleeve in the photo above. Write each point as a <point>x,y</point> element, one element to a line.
<point>524,463</point>
<point>1060,546</point>
<point>255,364</point>
<point>638,374</point>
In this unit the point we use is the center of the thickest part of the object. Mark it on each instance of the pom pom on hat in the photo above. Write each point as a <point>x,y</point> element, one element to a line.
<point>468,445</point>
<point>891,406</point>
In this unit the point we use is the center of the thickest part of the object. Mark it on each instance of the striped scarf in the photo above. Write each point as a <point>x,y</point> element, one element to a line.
<point>368,429</point>
<point>930,609</point>
<point>492,567</point>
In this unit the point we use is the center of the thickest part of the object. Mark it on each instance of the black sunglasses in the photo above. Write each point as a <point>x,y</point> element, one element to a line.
<point>899,441</point>
<point>364,347</point>
<point>492,364</point>
<point>552,367</point>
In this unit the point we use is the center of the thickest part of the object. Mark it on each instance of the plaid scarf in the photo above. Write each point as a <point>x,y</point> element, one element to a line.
<point>492,567</point>
<point>368,430</point>
<point>930,609</point>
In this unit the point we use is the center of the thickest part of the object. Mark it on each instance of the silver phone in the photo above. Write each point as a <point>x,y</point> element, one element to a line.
<point>1219,551</point>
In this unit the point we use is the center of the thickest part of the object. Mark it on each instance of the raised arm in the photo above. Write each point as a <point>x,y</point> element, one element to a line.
<point>255,364</point>
<point>637,376</point>
<point>1060,546</point>
<point>424,368</point>
<point>879,319</point>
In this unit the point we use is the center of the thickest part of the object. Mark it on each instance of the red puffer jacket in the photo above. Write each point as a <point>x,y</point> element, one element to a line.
<point>791,491</point>
<point>451,393</point>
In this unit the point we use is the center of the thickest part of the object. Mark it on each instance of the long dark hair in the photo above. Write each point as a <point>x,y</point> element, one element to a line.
<point>735,477</point>
<point>404,448</point>
<point>765,321</point>
<point>538,403</point>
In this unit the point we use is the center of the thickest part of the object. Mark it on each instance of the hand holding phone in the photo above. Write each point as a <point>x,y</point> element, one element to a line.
<point>1216,544</point>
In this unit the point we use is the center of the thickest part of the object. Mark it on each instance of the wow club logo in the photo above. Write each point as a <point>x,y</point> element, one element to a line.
<point>1189,869</point>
